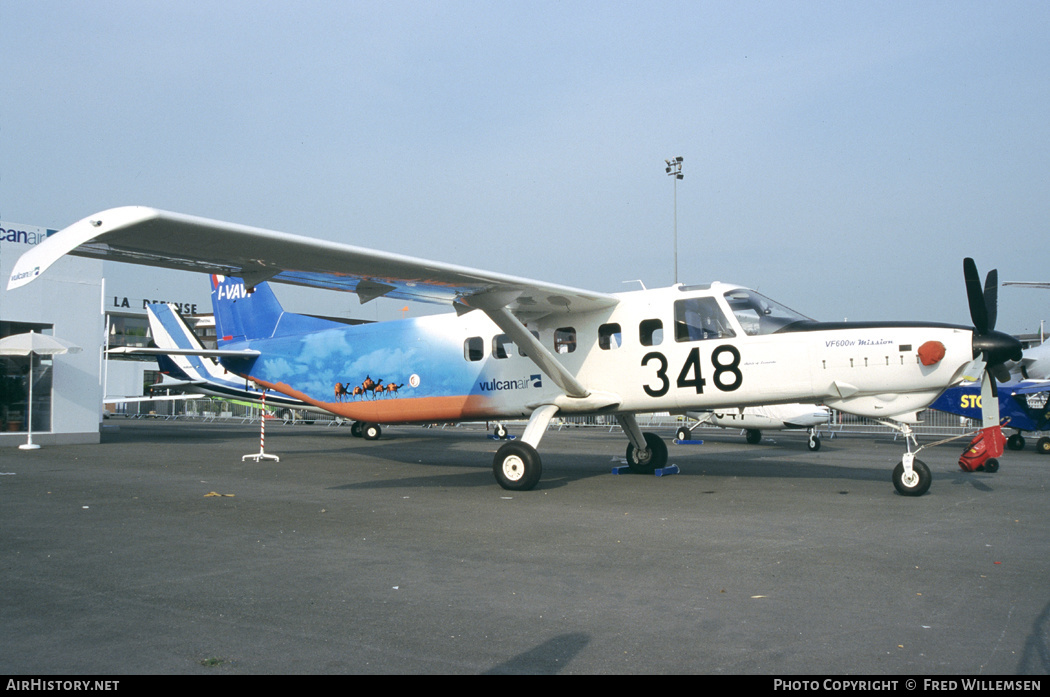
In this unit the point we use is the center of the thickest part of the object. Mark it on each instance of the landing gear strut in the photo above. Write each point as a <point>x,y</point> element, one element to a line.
<point>814,441</point>
<point>517,465</point>
<point>911,476</point>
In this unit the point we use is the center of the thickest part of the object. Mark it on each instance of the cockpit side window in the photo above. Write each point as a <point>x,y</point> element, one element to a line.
<point>696,319</point>
<point>758,314</point>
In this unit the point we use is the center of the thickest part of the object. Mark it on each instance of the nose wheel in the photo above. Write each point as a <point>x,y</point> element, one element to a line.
<point>913,479</point>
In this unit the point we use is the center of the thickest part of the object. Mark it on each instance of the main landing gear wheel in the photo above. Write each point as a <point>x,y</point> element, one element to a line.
<point>814,443</point>
<point>1043,445</point>
<point>754,436</point>
<point>1015,442</point>
<point>683,434</point>
<point>371,431</point>
<point>517,466</point>
<point>649,460</point>
<point>355,429</point>
<point>917,483</point>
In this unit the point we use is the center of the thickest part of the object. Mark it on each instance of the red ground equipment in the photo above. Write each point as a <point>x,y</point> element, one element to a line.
<point>982,451</point>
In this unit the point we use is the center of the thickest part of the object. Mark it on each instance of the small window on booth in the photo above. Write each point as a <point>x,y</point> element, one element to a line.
<point>609,336</point>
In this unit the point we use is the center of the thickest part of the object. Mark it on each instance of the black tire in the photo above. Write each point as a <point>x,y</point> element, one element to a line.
<point>1015,442</point>
<point>991,465</point>
<point>814,443</point>
<point>683,434</point>
<point>287,415</point>
<point>653,459</point>
<point>517,466</point>
<point>355,429</point>
<point>918,484</point>
<point>1043,445</point>
<point>371,431</point>
<point>754,436</point>
<point>500,432</point>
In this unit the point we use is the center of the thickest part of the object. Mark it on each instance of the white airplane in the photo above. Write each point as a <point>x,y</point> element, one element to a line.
<point>1035,361</point>
<point>754,420</point>
<point>522,348</point>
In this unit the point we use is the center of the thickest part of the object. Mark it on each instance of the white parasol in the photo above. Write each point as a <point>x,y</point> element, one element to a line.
<point>26,345</point>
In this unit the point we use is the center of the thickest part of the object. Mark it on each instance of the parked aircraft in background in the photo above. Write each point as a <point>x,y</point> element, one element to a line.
<point>754,420</point>
<point>1034,363</point>
<point>1023,406</point>
<point>522,348</point>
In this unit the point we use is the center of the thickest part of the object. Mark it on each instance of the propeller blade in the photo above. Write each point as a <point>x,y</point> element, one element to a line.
<point>975,296</point>
<point>1000,372</point>
<point>989,401</point>
<point>991,294</point>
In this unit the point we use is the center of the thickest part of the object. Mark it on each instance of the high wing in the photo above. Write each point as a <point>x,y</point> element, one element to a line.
<point>153,237</point>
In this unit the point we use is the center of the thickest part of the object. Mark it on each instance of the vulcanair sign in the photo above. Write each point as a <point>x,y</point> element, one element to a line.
<point>23,234</point>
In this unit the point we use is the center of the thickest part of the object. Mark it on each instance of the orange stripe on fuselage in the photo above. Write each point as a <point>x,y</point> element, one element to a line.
<point>396,410</point>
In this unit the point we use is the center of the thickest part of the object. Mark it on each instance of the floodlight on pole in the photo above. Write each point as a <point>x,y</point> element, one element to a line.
<point>674,170</point>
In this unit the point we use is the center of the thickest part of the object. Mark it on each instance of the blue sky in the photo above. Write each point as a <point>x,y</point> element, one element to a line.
<point>842,157</point>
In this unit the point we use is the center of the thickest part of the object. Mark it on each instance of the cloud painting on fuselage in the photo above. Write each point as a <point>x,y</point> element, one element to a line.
<point>321,362</point>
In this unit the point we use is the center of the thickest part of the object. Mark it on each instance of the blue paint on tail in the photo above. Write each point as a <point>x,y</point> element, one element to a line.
<point>242,317</point>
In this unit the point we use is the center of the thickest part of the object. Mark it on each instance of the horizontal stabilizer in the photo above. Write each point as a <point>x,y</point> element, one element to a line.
<point>210,353</point>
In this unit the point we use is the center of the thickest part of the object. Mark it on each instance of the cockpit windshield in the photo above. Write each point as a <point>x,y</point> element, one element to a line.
<point>758,314</point>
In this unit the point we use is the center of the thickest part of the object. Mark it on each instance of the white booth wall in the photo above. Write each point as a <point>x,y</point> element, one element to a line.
<point>68,297</point>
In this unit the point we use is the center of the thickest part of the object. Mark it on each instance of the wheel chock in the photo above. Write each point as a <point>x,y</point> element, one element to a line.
<point>660,472</point>
<point>687,442</point>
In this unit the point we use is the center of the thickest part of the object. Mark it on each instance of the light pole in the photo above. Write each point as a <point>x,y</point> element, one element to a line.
<point>674,169</point>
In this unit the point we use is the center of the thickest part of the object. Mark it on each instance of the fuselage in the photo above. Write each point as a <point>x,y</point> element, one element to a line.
<point>670,349</point>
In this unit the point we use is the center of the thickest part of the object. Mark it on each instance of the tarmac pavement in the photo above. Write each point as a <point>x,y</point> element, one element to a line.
<point>404,556</point>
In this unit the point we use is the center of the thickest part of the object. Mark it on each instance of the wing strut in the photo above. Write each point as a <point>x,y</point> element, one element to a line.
<point>537,352</point>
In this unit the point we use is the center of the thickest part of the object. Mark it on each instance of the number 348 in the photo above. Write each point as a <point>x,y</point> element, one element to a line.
<point>727,376</point>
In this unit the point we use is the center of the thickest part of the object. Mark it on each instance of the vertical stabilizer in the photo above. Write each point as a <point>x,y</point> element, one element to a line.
<point>240,316</point>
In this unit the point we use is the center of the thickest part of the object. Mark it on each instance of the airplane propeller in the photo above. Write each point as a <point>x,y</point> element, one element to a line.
<point>995,348</point>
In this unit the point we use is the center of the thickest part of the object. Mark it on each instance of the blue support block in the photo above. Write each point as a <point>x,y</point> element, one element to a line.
<point>626,469</point>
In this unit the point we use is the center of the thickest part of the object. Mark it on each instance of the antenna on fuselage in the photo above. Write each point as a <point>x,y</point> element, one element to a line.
<point>638,281</point>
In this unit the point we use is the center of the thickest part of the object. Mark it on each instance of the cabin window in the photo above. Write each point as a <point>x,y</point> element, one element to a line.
<point>696,319</point>
<point>521,351</point>
<point>609,337</point>
<point>564,340</point>
<point>474,348</point>
<point>651,332</point>
<point>502,346</point>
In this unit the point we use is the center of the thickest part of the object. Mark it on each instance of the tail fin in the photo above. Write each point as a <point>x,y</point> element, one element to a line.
<point>240,316</point>
<point>169,330</point>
